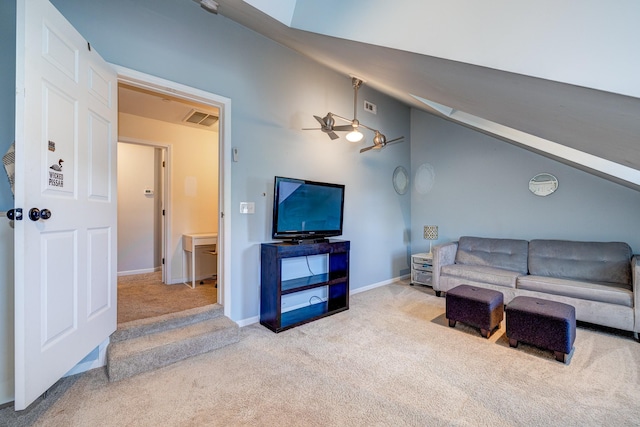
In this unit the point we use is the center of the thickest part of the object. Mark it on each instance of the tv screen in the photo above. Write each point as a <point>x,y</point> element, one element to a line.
<point>305,209</point>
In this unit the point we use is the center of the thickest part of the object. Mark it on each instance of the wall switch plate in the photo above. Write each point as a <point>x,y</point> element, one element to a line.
<point>370,107</point>
<point>247,207</point>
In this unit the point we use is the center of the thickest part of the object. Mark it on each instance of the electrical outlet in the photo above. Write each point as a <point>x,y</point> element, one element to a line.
<point>370,107</point>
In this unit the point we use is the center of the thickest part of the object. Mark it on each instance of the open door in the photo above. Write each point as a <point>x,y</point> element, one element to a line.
<point>65,243</point>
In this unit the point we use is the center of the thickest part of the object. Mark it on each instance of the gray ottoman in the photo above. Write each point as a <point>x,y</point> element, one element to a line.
<point>546,324</point>
<point>479,307</point>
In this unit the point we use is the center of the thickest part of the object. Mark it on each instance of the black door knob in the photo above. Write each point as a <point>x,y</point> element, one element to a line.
<point>34,214</point>
<point>45,214</point>
<point>15,214</point>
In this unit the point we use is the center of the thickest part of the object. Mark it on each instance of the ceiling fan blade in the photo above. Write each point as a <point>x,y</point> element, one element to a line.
<point>398,139</point>
<point>319,119</point>
<point>333,135</point>
<point>394,141</point>
<point>365,149</point>
<point>311,128</point>
<point>347,128</point>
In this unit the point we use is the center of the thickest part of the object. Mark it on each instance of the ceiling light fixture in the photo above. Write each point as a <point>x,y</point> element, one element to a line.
<point>354,136</point>
<point>327,125</point>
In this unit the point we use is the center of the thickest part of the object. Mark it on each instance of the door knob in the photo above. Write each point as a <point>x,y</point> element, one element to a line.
<point>14,214</point>
<point>36,214</point>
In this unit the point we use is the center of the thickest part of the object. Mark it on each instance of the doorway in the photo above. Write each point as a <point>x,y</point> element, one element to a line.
<point>181,186</point>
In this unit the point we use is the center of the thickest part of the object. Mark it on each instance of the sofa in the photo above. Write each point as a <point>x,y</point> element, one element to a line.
<point>598,278</point>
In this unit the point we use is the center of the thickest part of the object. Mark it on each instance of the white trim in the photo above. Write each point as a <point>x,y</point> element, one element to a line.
<point>256,319</point>
<point>378,285</point>
<point>248,321</point>
<point>157,84</point>
<point>141,271</point>
<point>590,161</point>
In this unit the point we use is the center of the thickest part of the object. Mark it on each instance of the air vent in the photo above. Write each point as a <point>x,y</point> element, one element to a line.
<point>201,118</point>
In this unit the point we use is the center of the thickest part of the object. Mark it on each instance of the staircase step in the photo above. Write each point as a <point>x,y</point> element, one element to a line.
<point>147,352</point>
<point>138,328</point>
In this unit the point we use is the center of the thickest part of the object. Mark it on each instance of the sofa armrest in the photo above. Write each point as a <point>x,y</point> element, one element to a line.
<point>635,288</point>
<point>443,254</point>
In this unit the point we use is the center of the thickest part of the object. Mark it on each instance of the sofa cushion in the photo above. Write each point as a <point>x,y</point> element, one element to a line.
<point>507,254</point>
<point>601,292</point>
<point>605,262</point>
<point>480,273</point>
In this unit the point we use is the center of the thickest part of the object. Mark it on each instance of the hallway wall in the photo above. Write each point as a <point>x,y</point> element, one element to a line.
<point>193,185</point>
<point>139,216</point>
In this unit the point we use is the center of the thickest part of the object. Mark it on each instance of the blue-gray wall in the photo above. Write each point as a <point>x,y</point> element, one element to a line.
<point>275,92</point>
<point>480,182</point>
<point>7,92</point>
<point>481,189</point>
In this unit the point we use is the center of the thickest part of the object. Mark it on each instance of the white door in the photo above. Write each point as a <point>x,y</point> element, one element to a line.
<point>65,266</point>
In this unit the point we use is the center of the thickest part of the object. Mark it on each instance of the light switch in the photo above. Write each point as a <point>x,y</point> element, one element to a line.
<point>247,207</point>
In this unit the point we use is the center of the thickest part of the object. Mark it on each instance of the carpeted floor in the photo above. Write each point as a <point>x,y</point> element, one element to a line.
<point>144,295</point>
<point>390,360</point>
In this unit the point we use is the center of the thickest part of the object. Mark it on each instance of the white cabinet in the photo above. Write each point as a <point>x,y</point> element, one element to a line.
<point>421,269</point>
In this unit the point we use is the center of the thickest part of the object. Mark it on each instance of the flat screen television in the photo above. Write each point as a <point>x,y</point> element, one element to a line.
<point>306,210</point>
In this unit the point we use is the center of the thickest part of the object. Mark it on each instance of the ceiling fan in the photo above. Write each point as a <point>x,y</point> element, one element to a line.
<point>380,141</point>
<point>327,125</point>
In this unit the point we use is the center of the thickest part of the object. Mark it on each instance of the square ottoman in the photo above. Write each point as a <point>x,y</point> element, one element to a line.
<point>546,324</point>
<point>478,307</point>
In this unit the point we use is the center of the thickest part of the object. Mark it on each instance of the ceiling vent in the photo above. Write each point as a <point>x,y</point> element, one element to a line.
<point>201,118</point>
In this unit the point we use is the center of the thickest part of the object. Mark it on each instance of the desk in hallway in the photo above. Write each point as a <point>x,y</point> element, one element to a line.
<point>190,242</point>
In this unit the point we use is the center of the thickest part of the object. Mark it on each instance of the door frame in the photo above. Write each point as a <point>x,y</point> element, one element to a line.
<point>166,198</point>
<point>157,84</point>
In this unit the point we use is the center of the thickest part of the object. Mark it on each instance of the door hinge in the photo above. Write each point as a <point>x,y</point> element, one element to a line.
<point>89,46</point>
<point>162,261</point>
<point>221,214</point>
<point>162,212</point>
<point>163,164</point>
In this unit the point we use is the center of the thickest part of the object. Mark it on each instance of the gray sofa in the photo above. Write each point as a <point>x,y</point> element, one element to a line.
<point>598,278</point>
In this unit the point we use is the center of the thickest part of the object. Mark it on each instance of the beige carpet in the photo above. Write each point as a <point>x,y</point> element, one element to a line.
<point>390,360</point>
<point>144,295</point>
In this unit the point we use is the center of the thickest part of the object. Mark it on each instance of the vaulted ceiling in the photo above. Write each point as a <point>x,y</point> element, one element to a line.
<point>560,80</point>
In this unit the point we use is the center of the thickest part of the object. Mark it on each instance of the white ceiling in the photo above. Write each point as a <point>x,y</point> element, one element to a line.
<point>144,103</point>
<point>591,129</point>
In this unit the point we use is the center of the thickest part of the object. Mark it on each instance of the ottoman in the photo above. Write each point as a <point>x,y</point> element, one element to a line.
<point>478,307</point>
<point>546,324</point>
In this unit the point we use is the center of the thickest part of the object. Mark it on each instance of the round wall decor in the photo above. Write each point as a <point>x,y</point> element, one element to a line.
<point>400,180</point>
<point>425,178</point>
<point>543,184</point>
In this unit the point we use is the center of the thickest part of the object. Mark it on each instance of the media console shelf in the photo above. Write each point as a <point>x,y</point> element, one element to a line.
<point>273,288</point>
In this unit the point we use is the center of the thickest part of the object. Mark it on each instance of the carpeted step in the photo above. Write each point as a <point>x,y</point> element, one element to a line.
<point>138,328</point>
<point>147,352</point>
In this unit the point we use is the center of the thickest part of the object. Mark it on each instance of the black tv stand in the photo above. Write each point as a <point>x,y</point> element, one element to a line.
<point>272,287</point>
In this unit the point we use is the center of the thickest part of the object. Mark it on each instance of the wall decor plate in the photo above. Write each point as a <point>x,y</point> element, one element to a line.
<point>543,184</point>
<point>400,180</point>
<point>425,178</point>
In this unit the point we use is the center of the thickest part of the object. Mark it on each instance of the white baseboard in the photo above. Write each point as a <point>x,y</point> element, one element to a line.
<point>141,271</point>
<point>377,285</point>
<point>251,320</point>
<point>248,321</point>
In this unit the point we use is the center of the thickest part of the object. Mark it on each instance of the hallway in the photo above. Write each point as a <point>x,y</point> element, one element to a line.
<point>144,295</point>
